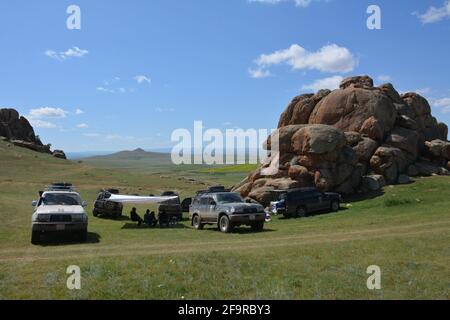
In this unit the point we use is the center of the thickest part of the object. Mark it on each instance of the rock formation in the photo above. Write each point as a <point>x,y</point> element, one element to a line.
<point>19,132</point>
<point>357,138</point>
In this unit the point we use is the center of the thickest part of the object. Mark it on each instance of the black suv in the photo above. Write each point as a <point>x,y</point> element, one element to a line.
<point>300,202</point>
<point>104,207</point>
<point>170,210</point>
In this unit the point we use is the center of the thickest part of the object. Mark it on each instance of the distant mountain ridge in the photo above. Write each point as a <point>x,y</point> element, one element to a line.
<point>130,158</point>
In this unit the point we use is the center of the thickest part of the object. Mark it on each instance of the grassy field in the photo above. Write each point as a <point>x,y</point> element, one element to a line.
<point>405,231</point>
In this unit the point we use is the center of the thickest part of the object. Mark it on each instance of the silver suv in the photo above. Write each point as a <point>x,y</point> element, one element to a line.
<point>59,209</point>
<point>227,210</point>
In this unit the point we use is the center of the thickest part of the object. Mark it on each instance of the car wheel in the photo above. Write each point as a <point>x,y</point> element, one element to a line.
<point>225,225</point>
<point>35,237</point>
<point>301,212</point>
<point>196,223</point>
<point>258,226</point>
<point>95,213</point>
<point>335,206</point>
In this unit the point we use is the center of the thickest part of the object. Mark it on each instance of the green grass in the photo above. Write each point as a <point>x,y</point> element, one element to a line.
<point>406,231</point>
<point>392,202</point>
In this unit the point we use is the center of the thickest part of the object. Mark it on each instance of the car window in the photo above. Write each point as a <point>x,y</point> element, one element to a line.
<point>229,198</point>
<point>64,199</point>
<point>204,200</point>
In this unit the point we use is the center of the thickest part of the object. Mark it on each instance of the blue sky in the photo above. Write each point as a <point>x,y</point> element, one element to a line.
<point>138,69</point>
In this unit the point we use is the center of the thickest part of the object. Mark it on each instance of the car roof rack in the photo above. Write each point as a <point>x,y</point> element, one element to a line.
<point>60,186</point>
<point>214,189</point>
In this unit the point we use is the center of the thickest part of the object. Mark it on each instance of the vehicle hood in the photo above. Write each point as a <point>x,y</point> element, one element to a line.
<point>60,209</point>
<point>239,206</point>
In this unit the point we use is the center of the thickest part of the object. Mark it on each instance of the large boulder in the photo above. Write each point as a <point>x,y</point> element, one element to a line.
<point>356,109</point>
<point>318,139</point>
<point>353,139</point>
<point>404,139</point>
<point>300,108</point>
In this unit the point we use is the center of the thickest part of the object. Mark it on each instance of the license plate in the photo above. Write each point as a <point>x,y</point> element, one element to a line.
<point>252,217</point>
<point>60,227</point>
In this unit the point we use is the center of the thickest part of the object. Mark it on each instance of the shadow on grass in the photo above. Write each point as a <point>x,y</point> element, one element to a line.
<point>54,239</point>
<point>134,226</point>
<point>121,218</point>
<point>363,196</point>
<point>240,230</point>
<point>313,214</point>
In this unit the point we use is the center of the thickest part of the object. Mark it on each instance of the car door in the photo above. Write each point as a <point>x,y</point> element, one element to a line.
<point>205,212</point>
<point>210,207</point>
<point>312,200</point>
<point>319,200</point>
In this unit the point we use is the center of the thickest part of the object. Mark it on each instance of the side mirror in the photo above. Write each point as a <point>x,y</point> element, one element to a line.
<point>213,203</point>
<point>84,204</point>
<point>34,203</point>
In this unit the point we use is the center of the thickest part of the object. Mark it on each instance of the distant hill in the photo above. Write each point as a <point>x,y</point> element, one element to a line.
<point>137,158</point>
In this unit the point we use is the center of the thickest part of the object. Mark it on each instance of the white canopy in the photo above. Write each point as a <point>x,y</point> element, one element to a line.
<point>139,199</point>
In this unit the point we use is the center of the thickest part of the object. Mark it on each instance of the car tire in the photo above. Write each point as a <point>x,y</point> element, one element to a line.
<point>258,226</point>
<point>301,212</point>
<point>95,213</point>
<point>335,205</point>
<point>35,237</point>
<point>225,224</point>
<point>196,222</point>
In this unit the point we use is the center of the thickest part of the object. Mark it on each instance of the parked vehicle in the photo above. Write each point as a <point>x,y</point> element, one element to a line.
<point>170,211</point>
<point>226,209</point>
<point>301,202</point>
<point>104,207</point>
<point>59,209</point>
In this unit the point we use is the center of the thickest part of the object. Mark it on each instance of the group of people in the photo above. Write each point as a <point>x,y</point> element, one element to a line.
<point>149,218</point>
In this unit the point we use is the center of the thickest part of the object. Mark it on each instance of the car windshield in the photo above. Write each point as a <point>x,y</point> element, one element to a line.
<point>61,199</point>
<point>229,198</point>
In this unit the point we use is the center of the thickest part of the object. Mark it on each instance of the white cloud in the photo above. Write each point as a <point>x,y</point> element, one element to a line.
<point>384,78</point>
<point>36,123</point>
<point>142,79</point>
<point>47,112</point>
<point>258,73</point>
<point>73,52</point>
<point>298,3</point>
<point>326,83</point>
<point>79,111</point>
<point>434,14</point>
<point>443,104</point>
<point>92,135</point>
<point>423,91</point>
<point>105,89</point>
<point>82,126</point>
<point>164,109</point>
<point>329,58</point>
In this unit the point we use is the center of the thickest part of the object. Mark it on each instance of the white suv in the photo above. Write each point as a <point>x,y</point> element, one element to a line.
<point>59,209</point>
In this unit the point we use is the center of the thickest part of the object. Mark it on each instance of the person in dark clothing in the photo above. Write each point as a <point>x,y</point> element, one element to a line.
<point>135,217</point>
<point>150,219</point>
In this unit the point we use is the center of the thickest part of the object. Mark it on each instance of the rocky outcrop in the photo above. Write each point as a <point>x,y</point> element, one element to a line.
<point>19,132</point>
<point>15,127</point>
<point>354,139</point>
